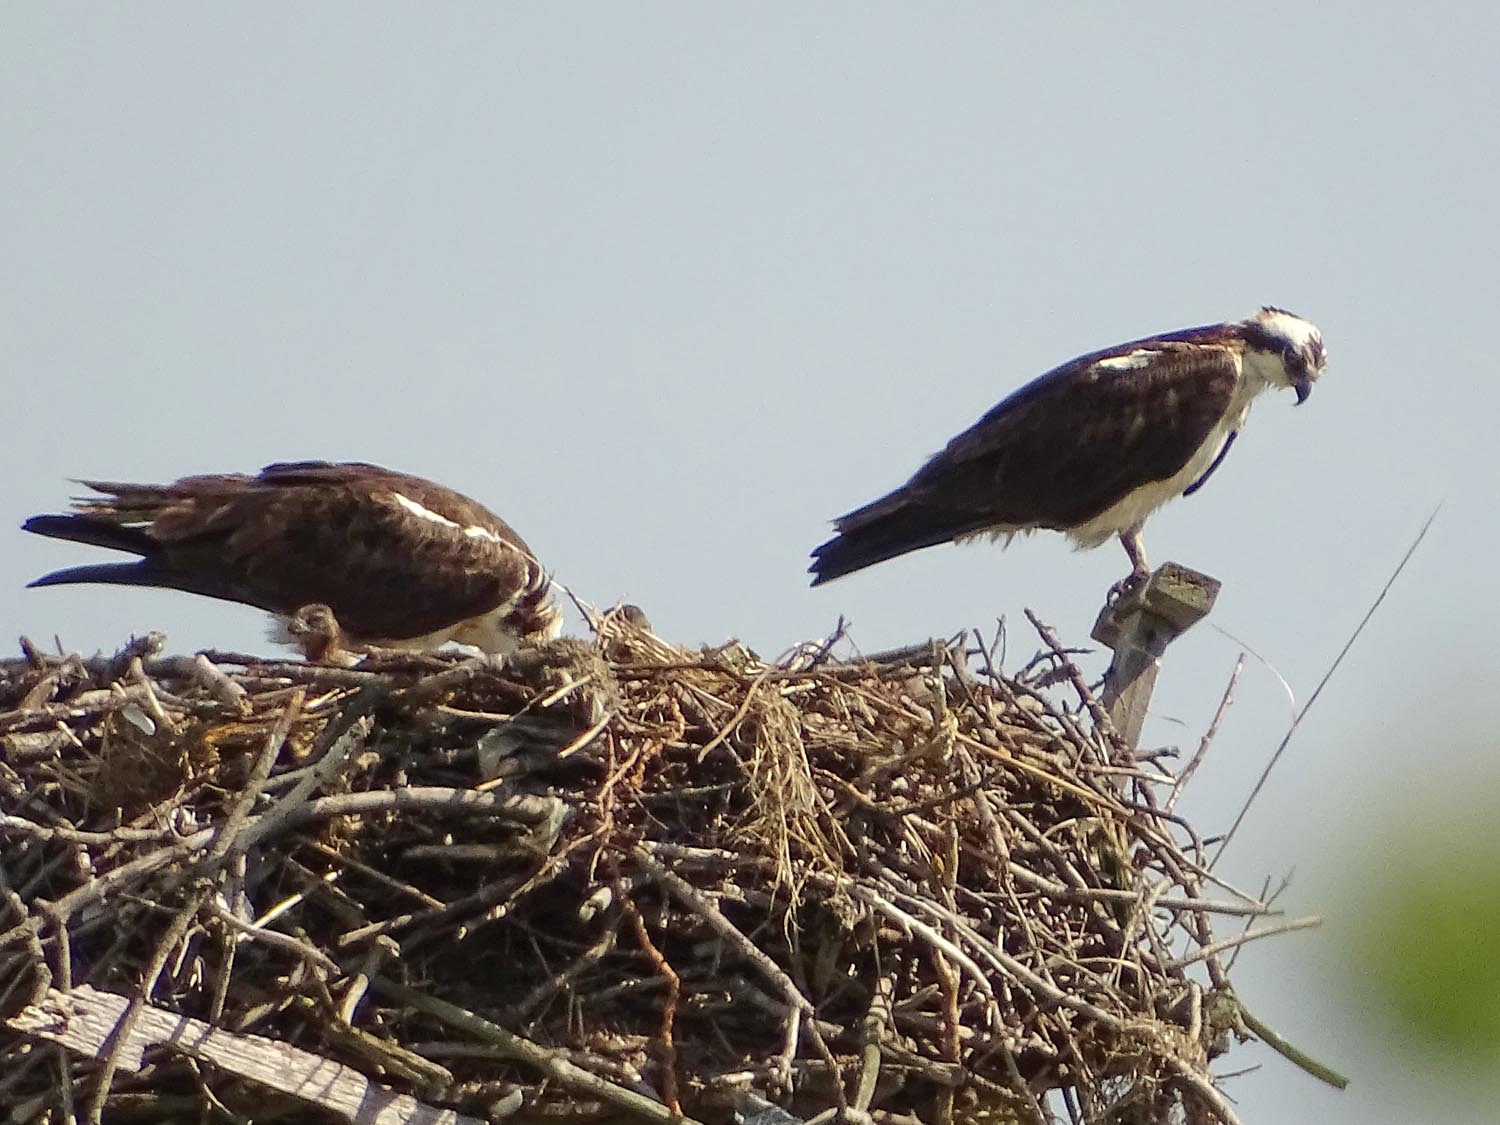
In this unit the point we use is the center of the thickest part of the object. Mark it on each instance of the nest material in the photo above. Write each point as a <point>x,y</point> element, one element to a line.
<point>611,882</point>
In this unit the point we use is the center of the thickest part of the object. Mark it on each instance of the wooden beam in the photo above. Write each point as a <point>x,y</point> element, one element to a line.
<point>1139,626</point>
<point>84,1021</point>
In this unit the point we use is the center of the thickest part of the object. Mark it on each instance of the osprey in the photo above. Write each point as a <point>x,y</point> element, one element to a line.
<point>1091,448</point>
<point>348,557</point>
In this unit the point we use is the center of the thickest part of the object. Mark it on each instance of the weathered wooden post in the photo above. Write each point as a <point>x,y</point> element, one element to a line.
<point>1138,627</point>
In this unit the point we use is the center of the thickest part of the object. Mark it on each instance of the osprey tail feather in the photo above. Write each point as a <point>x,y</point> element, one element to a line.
<point>146,571</point>
<point>141,573</point>
<point>879,532</point>
<point>95,532</point>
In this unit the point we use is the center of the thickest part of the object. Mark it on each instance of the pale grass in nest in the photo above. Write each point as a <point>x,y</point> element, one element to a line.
<point>788,816</point>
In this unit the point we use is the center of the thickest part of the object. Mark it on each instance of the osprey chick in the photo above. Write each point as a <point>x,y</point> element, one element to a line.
<point>348,557</point>
<point>1091,448</point>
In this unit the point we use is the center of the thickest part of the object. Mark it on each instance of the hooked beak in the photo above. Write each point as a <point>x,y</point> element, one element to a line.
<point>1303,387</point>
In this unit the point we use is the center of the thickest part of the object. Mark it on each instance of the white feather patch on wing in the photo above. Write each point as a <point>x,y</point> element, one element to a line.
<point>1130,361</point>
<point>425,513</point>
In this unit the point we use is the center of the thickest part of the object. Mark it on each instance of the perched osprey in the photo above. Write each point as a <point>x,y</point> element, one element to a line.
<point>1091,448</point>
<point>348,557</point>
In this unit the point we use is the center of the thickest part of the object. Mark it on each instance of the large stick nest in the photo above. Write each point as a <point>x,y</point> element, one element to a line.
<point>612,882</point>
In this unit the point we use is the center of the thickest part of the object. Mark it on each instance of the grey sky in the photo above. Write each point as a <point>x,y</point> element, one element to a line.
<point>670,285</point>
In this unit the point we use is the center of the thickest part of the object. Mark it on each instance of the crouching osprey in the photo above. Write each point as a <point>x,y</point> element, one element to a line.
<point>348,557</point>
<point>1091,448</point>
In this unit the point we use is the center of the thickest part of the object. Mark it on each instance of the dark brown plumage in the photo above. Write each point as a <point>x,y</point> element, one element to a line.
<point>1090,448</point>
<point>400,561</point>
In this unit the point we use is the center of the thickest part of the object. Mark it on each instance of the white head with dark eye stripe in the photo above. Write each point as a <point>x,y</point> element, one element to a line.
<point>1284,350</point>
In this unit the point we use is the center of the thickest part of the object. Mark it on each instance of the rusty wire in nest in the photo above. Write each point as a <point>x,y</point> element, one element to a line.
<point>611,881</point>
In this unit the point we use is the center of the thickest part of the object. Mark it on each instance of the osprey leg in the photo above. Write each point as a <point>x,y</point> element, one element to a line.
<point>1135,550</point>
<point>1140,569</point>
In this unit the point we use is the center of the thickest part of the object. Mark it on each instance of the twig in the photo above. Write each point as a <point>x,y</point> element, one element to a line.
<point>139,1002</point>
<point>668,1049</point>
<point>739,716</point>
<point>1322,683</point>
<point>690,897</point>
<point>549,1063</point>
<point>1075,677</point>
<point>1213,949</point>
<point>297,947</point>
<point>239,812</point>
<point>1208,736</point>
<point>1204,1089</point>
<point>586,737</point>
<point>872,1030</point>
<point>1000,959</point>
<point>224,689</point>
<point>561,979</point>
<point>452,802</point>
<point>1286,1050</point>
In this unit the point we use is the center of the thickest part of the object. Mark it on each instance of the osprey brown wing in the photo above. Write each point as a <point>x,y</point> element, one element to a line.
<point>1065,448</point>
<point>1055,454</point>
<point>392,555</point>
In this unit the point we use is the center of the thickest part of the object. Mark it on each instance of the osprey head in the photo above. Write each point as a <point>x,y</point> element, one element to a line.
<point>1286,350</point>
